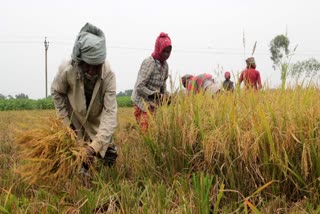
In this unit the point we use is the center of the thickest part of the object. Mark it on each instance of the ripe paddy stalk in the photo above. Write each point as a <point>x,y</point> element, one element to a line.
<point>245,138</point>
<point>50,155</point>
<point>234,147</point>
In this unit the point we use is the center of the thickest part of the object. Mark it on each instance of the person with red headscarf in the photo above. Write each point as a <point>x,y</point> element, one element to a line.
<point>150,86</point>
<point>251,76</point>
<point>227,83</point>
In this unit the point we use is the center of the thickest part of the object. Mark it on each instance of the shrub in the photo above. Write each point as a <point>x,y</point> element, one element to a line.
<point>124,101</point>
<point>46,103</point>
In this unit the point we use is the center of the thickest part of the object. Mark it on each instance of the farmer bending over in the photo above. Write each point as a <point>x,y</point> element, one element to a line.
<point>84,94</point>
<point>203,82</point>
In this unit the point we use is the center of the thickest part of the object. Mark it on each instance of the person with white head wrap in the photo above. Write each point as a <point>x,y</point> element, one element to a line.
<point>84,93</point>
<point>90,46</point>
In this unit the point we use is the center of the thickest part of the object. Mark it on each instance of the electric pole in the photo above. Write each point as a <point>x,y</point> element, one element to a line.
<point>46,46</point>
<point>244,45</point>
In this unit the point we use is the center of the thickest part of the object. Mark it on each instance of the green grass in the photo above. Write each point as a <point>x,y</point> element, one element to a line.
<point>124,101</point>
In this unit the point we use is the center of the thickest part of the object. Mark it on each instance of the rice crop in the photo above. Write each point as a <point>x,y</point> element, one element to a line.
<point>50,156</point>
<point>241,152</point>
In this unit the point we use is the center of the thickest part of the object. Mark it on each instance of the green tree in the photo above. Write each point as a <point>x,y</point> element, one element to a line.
<point>309,68</point>
<point>2,97</point>
<point>21,96</point>
<point>120,94</point>
<point>128,92</point>
<point>125,93</point>
<point>281,56</point>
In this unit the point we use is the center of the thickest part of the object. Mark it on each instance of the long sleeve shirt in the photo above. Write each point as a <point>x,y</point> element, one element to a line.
<point>98,120</point>
<point>151,79</point>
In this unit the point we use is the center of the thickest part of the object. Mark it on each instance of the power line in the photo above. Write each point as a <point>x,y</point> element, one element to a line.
<point>19,42</point>
<point>217,51</point>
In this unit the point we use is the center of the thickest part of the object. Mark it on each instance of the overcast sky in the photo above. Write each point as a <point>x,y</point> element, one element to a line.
<point>207,36</point>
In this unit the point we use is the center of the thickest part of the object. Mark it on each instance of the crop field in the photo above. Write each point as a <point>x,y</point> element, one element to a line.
<point>242,152</point>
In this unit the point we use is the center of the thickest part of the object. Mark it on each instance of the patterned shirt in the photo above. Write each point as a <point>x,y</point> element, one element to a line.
<point>151,79</point>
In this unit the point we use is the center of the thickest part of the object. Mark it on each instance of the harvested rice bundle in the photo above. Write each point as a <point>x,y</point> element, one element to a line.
<point>51,156</point>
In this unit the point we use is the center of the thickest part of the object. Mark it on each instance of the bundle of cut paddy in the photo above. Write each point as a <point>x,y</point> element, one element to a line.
<point>51,155</point>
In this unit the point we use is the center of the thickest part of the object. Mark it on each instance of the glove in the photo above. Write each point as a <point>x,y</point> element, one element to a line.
<point>111,156</point>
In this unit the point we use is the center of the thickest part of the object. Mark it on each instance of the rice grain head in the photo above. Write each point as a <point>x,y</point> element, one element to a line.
<point>50,155</point>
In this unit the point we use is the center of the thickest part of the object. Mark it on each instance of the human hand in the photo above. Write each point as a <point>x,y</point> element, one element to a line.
<point>90,157</point>
<point>66,121</point>
<point>90,151</point>
<point>166,99</point>
<point>156,96</point>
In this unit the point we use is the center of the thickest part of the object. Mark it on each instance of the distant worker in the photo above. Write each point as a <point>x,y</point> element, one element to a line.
<point>203,82</point>
<point>227,83</point>
<point>150,87</point>
<point>251,76</point>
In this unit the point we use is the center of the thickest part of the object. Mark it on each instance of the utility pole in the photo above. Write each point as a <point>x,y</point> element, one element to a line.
<point>244,45</point>
<point>46,46</point>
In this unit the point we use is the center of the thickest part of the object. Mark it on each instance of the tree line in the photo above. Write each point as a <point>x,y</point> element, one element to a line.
<point>17,96</point>
<point>22,102</point>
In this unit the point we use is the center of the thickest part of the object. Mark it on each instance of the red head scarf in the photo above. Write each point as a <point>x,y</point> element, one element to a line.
<point>162,42</point>
<point>227,74</point>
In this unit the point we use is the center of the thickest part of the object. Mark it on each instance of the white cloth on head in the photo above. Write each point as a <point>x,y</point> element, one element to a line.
<point>90,46</point>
